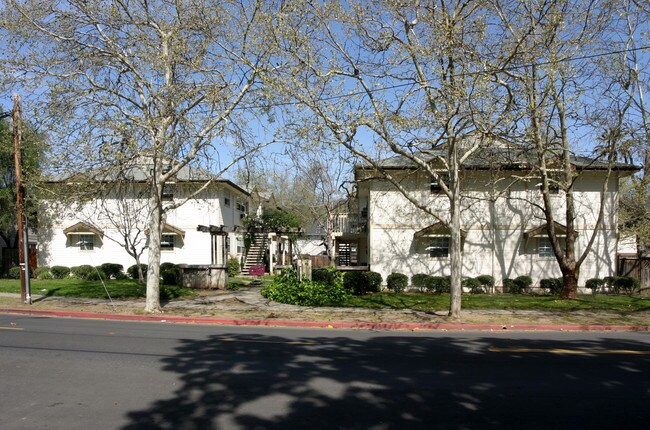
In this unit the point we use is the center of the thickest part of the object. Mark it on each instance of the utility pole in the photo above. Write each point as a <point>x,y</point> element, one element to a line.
<point>23,245</point>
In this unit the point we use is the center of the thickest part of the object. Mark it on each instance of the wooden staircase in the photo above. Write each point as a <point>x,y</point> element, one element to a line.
<point>256,252</point>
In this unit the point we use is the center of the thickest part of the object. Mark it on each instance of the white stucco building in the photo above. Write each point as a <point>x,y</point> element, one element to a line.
<point>206,229</point>
<point>502,224</point>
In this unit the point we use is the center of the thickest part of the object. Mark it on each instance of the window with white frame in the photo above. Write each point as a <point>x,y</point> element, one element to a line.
<point>439,246</point>
<point>167,242</point>
<point>226,198</point>
<point>241,206</point>
<point>86,242</point>
<point>544,247</point>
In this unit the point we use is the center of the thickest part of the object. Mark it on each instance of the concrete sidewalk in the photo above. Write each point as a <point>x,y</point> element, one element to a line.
<point>248,307</point>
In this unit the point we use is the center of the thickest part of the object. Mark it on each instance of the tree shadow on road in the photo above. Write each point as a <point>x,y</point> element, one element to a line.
<point>401,382</point>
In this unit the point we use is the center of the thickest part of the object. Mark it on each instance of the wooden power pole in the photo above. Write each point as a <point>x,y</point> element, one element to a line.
<point>23,248</point>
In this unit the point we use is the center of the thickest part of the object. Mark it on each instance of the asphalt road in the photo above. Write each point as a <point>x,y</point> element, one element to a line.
<point>87,374</point>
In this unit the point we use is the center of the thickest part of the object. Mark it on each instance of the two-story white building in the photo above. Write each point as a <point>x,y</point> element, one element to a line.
<point>503,228</point>
<point>206,229</point>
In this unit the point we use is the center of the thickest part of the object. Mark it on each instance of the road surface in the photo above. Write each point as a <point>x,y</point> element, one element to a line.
<point>89,374</point>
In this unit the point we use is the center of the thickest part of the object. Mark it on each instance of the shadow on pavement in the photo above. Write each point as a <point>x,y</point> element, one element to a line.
<point>399,382</point>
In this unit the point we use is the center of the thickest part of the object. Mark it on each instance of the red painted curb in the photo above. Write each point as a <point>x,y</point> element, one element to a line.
<point>319,324</point>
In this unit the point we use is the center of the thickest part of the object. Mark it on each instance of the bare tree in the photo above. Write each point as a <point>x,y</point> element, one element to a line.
<point>179,78</point>
<point>400,78</point>
<point>554,79</point>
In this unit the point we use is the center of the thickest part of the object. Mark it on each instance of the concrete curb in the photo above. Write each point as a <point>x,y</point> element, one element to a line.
<point>325,325</point>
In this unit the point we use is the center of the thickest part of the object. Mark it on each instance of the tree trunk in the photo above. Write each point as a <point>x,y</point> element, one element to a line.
<point>152,303</point>
<point>569,284</point>
<point>455,251</point>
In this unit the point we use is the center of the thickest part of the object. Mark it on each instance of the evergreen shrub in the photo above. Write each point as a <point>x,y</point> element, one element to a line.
<point>170,274</point>
<point>440,284</point>
<point>233,267</point>
<point>595,284</point>
<point>42,273</point>
<point>83,271</point>
<point>60,272</point>
<point>422,281</point>
<point>14,272</point>
<point>397,282</point>
<point>112,270</point>
<point>553,285</point>
<point>473,285</point>
<point>132,271</point>
<point>286,288</point>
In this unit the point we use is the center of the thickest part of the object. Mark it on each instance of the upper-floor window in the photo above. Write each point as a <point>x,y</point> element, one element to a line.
<point>439,246</point>
<point>226,198</point>
<point>434,185</point>
<point>241,207</point>
<point>168,191</point>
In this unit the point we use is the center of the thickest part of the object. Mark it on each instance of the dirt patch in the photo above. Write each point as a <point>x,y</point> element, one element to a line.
<point>233,308</point>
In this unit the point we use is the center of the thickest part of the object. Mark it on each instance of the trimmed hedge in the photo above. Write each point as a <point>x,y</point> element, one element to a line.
<point>422,281</point>
<point>42,273</point>
<point>359,283</point>
<point>397,282</point>
<point>553,285</point>
<point>60,272</point>
<point>132,271</point>
<point>112,270</point>
<point>84,271</point>
<point>474,286</point>
<point>170,274</point>
<point>595,284</point>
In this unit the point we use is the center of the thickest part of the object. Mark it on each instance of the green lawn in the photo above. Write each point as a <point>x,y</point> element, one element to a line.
<point>128,288</point>
<point>430,302</point>
<point>118,289</point>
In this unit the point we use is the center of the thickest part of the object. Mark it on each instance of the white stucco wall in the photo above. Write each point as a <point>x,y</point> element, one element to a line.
<point>194,247</point>
<point>495,243</point>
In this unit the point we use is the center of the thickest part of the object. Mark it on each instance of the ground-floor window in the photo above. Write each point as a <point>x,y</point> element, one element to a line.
<point>86,242</point>
<point>167,242</point>
<point>544,247</point>
<point>439,246</point>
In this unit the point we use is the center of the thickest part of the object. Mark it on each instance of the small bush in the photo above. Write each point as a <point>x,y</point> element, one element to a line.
<point>132,271</point>
<point>60,272</point>
<point>14,272</point>
<point>422,282</point>
<point>441,284</point>
<point>325,275</point>
<point>42,273</point>
<point>83,271</point>
<point>626,285</point>
<point>359,283</point>
<point>112,270</point>
<point>520,284</point>
<point>595,284</point>
<point>373,282</point>
<point>233,267</point>
<point>508,285</point>
<point>473,285</point>
<point>397,282</point>
<point>170,274</point>
<point>487,282</point>
<point>553,285</point>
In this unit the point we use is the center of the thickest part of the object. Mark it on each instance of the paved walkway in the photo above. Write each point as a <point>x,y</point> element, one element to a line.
<point>248,307</point>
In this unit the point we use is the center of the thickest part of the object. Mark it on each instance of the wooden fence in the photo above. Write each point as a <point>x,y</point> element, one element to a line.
<point>636,267</point>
